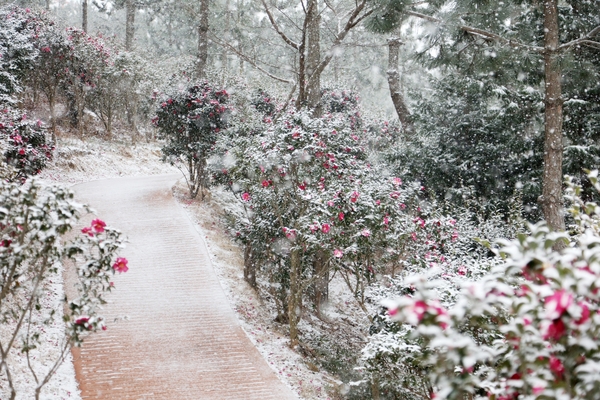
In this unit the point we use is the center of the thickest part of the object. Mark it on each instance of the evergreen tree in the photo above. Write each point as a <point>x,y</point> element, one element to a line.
<point>521,44</point>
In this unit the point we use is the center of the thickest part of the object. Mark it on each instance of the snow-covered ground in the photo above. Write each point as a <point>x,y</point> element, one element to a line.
<point>81,161</point>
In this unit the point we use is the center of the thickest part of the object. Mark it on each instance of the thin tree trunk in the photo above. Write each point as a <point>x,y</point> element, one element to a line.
<point>313,59</point>
<point>395,88</point>
<point>321,285</point>
<point>84,15</point>
<point>129,24</point>
<point>224,61</point>
<point>202,40</point>
<point>551,199</point>
<point>295,296</point>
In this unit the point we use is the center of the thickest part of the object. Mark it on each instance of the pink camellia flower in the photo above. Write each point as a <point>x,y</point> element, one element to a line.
<point>354,196</point>
<point>120,265</point>
<point>585,313</point>
<point>341,216</point>
<point>337,253</point>
<point>420,308</point>
<point>413,236</point>
<point>325,228</point>
<point>397,181</point>
<point>289,233</point>
<point>454,236</point>
<point>462,270</point>
<point>386,220</point>
<point>557,304</point>
<point>366,233</point>
<point>246,196</point>
<point>98,225</point>
<point>538,390</point>
<point>314,227</point>
<point>87,231</point>
<point>395,194</point>
<point>266,183</point>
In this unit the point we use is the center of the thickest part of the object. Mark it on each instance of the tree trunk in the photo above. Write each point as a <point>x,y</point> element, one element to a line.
<point>313,58</point>
<point>249,266</point>
<point>551,199</point>
<point>202,40</point>
<point>321,285</point>
<point>395,88</point>
<point>129,24</point>
<point>295,296</point>
<point>84,15</point>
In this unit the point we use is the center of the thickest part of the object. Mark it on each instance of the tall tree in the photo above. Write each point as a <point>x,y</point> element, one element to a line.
<point>84,15</point>
<point>202,39</point>
<point>492,27</point>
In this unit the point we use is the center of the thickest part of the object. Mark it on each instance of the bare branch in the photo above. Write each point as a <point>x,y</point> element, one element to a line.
<point>248,59</point>
<point>582,40</point>
<point>354,19</point>
<point>480,32</point>
<point>276,27</point>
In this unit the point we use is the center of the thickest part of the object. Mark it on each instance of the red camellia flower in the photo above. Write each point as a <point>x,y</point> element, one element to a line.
<point>87,231</point>
<point>354,197</point>
<point>120,265</point>
<point>82,321</point>
<point>556,330</point>
<point>266,183</point>
<point>557,304</point>
<point>556,366</point>
<point>341,216</point>
<point>98,225</point>
<point>325,228</point>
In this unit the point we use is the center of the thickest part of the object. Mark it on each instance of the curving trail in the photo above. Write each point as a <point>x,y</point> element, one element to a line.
<point>181,339</point>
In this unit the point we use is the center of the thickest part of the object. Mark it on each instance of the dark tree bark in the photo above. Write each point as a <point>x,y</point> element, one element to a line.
<point>202,40</point>
<point>321,285</point>
<point>84,15</point>
<point>313,59</point>
<point>395,88</point>
<point>551,199</point>
<point>129,24</point>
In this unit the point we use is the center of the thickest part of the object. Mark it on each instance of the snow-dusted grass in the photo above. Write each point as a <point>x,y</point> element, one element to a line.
<point>81,161</point>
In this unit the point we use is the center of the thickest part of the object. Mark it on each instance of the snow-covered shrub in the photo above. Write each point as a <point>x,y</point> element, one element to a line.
<point>311,203</point>
<point>190,120</point>
<point>263,102</point>
<point>529,329</point>
<point>35,244</point>
<point>18,28</point>
<point>26,149</point>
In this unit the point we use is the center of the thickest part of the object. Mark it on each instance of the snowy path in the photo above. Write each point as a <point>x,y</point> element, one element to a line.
<point>181,339</point>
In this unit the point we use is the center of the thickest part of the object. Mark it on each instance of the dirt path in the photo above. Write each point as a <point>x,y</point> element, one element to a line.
<point>181,339</point>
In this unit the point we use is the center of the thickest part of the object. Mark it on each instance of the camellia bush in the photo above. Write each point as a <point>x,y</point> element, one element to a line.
<point>26,150</point>
<point>190,121</point>
<point>310,203</point>
<point>35,245</point>
<point>527,330</point>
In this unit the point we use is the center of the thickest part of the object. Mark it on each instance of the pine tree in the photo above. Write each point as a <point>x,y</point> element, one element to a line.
<point>511,40</point>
